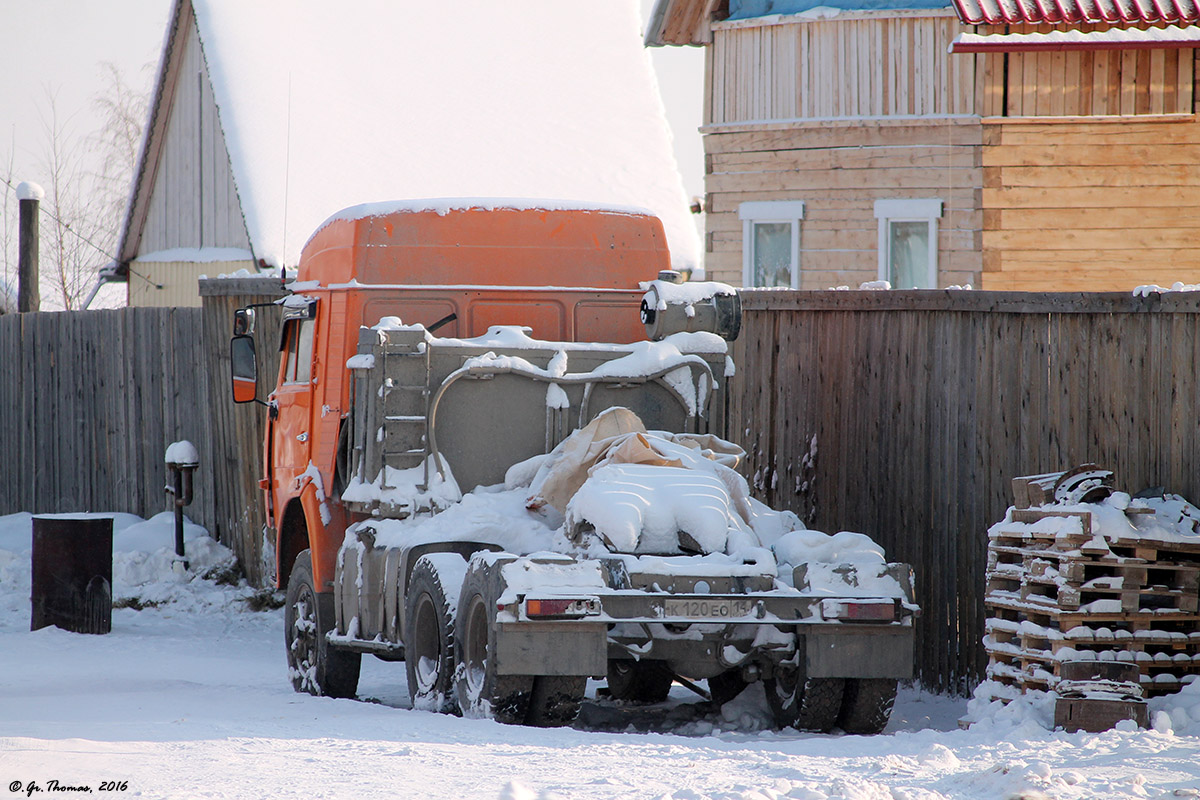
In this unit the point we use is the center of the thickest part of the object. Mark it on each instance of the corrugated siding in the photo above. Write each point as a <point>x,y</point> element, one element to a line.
<point>872,67</point>
<point>194,201</point>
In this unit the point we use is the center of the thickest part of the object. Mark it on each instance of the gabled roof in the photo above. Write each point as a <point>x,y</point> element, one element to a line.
<point>326,105</point>
<point>684,21</point>
<point>1007,12</point>
<point>691,21</point>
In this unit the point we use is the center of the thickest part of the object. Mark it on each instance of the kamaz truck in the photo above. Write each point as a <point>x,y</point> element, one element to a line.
<point>497,452</point>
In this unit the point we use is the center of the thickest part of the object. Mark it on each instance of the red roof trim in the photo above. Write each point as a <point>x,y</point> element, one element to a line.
<point>1017,43</point>
<point>1033,12</point>
<point>1002,47</point>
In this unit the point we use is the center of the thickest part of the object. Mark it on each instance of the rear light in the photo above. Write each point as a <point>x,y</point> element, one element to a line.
<point>561,607</point>
<point>859,610</point>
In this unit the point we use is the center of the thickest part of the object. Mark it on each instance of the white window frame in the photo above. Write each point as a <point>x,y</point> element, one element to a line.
<point>927,210</point>
<point>789,211</point>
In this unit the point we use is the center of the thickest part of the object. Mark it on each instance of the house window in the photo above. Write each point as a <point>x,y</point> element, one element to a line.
<point>771,243</point>
<point>908,235</point>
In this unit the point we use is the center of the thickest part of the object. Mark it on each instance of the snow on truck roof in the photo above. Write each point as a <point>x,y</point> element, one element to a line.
<point>327,105</point>
<point>444,205</point>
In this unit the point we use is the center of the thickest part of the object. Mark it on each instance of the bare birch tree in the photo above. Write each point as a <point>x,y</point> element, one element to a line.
<point>87,178</point>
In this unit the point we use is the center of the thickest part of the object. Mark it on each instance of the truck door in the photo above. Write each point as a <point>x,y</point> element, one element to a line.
<point>291,431</point>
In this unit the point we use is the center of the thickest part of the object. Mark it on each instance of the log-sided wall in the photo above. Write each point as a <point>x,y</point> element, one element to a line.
<point>1058,171</point>
<point>839,113</point>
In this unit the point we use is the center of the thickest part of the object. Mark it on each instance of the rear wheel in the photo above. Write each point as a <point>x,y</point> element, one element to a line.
<point>480,691</point>
<point>314,666</point>
<point>555,700</point>
<point>810,704</point>
<point>429,632</point>
<point>639,681</point>
<point>867,705</point>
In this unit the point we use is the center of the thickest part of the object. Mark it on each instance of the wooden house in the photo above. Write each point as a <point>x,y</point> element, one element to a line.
<point>1009,144</point>
<point>268,117</point>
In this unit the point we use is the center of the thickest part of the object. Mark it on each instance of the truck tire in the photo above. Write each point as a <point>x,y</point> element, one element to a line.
<point>810,704</point>
<point>555,700</point>
<point>480,691</point>
<point>314,666</point>
<point>867,705</point>
<point>639,681</point>
<point>429,631</point>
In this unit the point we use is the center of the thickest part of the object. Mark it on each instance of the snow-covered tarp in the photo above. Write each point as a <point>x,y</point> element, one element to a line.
<point>326,106</point>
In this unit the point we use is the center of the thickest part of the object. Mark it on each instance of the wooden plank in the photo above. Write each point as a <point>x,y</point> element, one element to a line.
<point>1185,83</point>
<point>933,155</point>
<point>912,179</point>
<point>1045,83</point>
<point>1097,197</point>
<point>1181,217</point>
<point>1049,276</point>
<point>1100,239</point>
<point>1144,87</point>
<point>1073,84</point>
<point>1170,92</point>
<point>845,133</point>
<point>1072,176</point>
<point>1057,73</point>
<point>1127,81</point>
<point>1130,156</point>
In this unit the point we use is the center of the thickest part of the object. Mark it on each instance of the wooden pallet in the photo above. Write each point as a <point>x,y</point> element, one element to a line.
<point>1056,594</point>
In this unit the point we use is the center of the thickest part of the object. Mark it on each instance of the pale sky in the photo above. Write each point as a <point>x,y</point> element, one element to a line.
<point>57,46</point>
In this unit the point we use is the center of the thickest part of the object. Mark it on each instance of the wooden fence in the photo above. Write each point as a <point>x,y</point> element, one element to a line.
<point>238,430</point>
<point>904,415</point>
<point>89,402</point>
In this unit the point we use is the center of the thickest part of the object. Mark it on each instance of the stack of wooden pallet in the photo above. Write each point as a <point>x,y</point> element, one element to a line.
<point>1060,589</point>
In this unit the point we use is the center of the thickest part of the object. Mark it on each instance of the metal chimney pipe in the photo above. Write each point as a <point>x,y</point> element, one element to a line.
<point>29,195</point>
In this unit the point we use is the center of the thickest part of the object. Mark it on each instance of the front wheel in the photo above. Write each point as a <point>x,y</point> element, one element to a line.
<point>313,666</point>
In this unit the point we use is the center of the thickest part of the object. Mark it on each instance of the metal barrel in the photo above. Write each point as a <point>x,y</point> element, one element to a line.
<point>72,574</point>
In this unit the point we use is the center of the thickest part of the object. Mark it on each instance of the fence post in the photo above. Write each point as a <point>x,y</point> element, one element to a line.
<point>29,196</point>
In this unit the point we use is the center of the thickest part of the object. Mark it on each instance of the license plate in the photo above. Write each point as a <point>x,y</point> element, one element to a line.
<point>695,608</point>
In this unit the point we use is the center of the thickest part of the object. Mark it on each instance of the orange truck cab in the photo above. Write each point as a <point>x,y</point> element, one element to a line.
<point>457,267</point>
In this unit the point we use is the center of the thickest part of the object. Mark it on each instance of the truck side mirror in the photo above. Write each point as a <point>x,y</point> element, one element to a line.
<point>243,322</point>
<point>243,368</point>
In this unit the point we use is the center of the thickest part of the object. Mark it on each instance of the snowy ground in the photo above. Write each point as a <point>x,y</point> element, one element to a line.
<point>189,698</point>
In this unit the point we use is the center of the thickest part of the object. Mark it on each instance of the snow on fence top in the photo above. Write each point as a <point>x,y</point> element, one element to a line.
<point>325,106</point>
